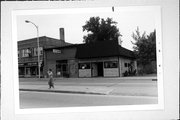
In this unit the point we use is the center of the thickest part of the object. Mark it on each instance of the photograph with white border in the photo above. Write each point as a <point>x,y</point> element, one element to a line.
<point>105,71</point>
<point>19,103</point>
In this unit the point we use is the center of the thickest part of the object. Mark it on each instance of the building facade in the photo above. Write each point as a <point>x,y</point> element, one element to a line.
<point>105,59</point>
<point>62,61</point>
<point>100,59</point>
<point>28,54</point>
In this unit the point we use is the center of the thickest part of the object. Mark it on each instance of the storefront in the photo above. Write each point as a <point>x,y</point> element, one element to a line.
<point>104,59</point>
<point>62,63</point>
<point>28,69</point>
<point>100,59</point>
<point>62,68</point>
<point>106,67</point>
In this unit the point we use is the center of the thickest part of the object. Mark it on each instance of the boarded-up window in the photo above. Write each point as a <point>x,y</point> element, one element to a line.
<point>84,65</point>
<point>111,64</point>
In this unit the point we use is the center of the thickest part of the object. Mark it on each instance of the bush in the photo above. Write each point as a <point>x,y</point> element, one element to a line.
<point>125,74</point>
<point>147,69</point>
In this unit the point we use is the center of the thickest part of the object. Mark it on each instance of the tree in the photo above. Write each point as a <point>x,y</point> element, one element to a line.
<point>100,30</point>
<point>144,47</point>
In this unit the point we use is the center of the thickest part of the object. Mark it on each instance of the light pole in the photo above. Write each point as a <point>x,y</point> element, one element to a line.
<point>27,21</point>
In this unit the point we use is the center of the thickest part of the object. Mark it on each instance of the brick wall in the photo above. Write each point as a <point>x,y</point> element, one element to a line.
<point>73,68</point>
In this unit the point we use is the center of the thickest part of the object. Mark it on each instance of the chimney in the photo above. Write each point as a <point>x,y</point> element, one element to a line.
<point>61,30</point>
<point>120,41</point>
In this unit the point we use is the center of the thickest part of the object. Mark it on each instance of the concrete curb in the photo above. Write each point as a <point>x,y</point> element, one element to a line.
<point>81,92</point>
<point>62,91</point>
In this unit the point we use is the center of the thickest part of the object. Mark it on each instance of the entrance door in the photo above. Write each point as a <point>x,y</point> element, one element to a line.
<point>94,70</point>
<point>97,69</point>
<point>62,68</point>
<point>28,72</point>
<point>100,68</point>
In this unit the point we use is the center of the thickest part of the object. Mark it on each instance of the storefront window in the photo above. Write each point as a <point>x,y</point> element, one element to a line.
<point>21,70</point>
<point>127,64</point>
<point>84,65</point>
<point>111,64</point>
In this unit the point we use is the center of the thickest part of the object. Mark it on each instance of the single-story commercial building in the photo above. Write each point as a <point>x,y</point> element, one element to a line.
<point>98,59</point>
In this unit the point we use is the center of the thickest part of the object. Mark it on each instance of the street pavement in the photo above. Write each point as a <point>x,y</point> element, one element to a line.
<point>31,99</point>
<point>69,92</point>
<point>126,86</point>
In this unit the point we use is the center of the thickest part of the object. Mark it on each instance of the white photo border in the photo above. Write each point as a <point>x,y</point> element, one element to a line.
<point>158,106</point>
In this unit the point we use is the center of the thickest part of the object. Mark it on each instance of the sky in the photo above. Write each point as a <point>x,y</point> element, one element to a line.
<point>49,24</point>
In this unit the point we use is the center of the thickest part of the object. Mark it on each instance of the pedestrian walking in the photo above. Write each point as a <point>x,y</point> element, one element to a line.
<point>51,81</point>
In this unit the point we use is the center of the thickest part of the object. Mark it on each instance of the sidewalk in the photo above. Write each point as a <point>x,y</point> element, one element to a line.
<point>97,80</point>
<point>67,89</point>
<point>97,86</point>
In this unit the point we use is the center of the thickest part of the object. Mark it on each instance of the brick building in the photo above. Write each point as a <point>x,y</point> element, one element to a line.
<point>28,54</point>
<point>99,59</point>
<point>62,61</point>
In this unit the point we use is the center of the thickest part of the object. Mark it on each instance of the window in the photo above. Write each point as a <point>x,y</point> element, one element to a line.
<point>125,64</point>
<point>35,51</point>
<point>23,53</point>
<point>84,65</point>
<point>129,65</point>
<point>111,64</point>
<point>40,50</point>
<point>26,52</point>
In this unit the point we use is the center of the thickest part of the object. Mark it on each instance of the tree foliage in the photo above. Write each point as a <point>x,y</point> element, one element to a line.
<point>145,46</point>
<point>100,30</point>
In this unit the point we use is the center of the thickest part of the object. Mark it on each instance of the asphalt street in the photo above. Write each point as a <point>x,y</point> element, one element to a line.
<point>53,100</point>
<point>115,91</point>
<point>112,86</point>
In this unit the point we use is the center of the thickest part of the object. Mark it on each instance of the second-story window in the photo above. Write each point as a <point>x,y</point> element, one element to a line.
<point>30,52</point>
<point>35,51</point>
<point>41,51</point>
<point>25,52</point>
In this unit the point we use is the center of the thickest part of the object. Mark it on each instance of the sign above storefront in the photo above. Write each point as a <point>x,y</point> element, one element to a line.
<point>21,64</point>
<point>56,51</point>
<point>32,64</point>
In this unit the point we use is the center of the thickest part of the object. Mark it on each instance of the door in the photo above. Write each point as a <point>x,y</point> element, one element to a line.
<point>28,72</point>
<point>94,70</point>
<point>97,69</point>
<point>100,68</point>
<point>62,68</point>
